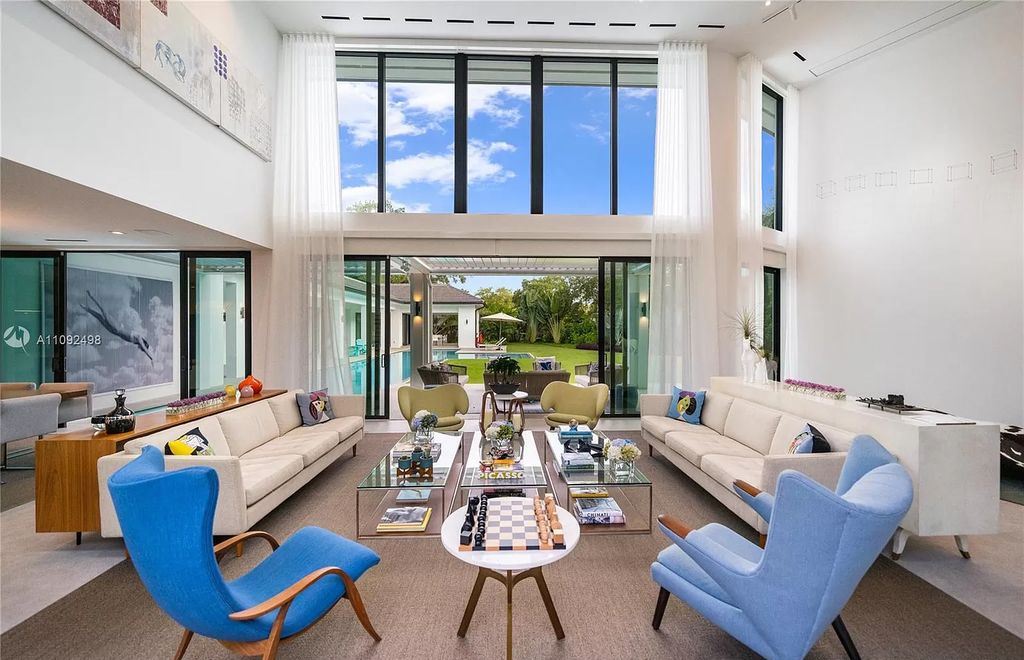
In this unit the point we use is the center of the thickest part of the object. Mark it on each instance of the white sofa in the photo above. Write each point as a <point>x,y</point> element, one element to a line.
<point>738,439</point>
<point>262,454</point>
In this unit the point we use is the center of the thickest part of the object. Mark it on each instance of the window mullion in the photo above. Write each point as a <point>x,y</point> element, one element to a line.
<point>614,142</point>
<point>461,132</point>
<point>536,134</point>
<point>382,101</point>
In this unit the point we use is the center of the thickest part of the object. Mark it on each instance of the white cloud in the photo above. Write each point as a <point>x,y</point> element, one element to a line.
<point>355,195</point>
<point>490,100</point>
<point>480,166</point>
<point>357,110</point>
<point>637,92</point>
<point>439,169</point>
<point>597,132</point>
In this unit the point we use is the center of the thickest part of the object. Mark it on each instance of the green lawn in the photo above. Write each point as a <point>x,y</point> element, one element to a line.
<point>569,356</point>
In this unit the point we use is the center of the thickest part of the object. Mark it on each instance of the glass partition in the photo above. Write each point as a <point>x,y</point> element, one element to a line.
<point>218,306</point>
<point>31,343</point>
<point>623,333</point>
<point>367,330</point>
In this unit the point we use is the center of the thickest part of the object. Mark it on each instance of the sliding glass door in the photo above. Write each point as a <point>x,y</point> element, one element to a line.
<point>368,330</point>
<point>31,317</point>
<point>218,332</point>
<point>623,291</point>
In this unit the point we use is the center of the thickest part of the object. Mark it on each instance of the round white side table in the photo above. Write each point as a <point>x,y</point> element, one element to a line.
<point>509,568</point>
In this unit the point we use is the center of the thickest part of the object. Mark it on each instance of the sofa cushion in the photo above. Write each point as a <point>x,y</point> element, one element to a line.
<point>315,407</point>
<point>789,427</point>
<point>248,427</point>
<point>659,426</point>
<point>209,426</point>
<point>286,411</point>
<point>310,446</point>
<point>727,469</point>
<point>694,446</point>
<point>751,424</point>
<point>262,475</point>
<point>715,410</point>
<point>190,443</point>
<point>343,426</point>
<point>685,405</point>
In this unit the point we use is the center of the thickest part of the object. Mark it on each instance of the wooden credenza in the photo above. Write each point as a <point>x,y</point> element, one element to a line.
<point>67,483</point>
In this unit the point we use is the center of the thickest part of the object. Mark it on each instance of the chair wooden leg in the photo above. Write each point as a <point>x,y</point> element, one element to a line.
<point>270,650</point>
<point>844,638</point>
<point>240,549</point>
<point>659,609</point>
<point>762,539</point>
<point>357,605</point>
<point>185,639</point>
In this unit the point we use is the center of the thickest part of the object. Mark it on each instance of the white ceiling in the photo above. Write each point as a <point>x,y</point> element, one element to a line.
<point>826,33</point>
<point>36,206</point>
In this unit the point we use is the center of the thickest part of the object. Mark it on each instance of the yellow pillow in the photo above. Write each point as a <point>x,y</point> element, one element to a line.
<point>193,443</point>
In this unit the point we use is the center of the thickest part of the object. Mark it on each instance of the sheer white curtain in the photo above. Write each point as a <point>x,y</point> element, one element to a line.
<point>683,323</point>
<point>790,226</point>
<point>749,241</point>
<point>306,342</point>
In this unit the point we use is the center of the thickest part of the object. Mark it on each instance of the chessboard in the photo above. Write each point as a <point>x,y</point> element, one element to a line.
<point>511,524</point>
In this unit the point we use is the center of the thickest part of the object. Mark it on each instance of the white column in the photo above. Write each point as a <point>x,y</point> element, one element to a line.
<point>467,326</point>
<point>419,340</point>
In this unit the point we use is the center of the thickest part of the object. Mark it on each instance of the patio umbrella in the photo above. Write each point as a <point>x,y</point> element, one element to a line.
<point>501,317</point>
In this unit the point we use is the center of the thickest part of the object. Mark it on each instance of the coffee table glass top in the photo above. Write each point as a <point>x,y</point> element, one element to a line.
<point>599,477</point>
<point>533,467</point>
<point>385,473</point>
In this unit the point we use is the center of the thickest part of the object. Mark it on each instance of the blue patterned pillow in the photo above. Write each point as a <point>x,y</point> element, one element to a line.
<point>546,364</point>
<point>685,405</point>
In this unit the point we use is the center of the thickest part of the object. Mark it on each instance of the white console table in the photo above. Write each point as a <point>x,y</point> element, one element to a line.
<point>955,468</point>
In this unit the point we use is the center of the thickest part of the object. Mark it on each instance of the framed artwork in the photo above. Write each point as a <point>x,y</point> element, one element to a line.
<point>177,52</point>
<point>113,23</point>
<point>244,104</point>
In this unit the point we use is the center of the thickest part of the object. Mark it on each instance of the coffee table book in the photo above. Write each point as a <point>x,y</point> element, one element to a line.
<point>404,519</point>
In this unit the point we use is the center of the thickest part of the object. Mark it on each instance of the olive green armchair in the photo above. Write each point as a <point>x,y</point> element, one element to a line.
<point>445,401</point>
<point>564,402</point>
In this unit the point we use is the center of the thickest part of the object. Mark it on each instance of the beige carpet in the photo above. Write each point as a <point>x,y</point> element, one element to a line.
<point>416,596</point>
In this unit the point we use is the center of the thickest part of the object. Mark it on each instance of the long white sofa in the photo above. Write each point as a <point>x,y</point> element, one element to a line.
<point>262,455</point>
<point>739,439</point>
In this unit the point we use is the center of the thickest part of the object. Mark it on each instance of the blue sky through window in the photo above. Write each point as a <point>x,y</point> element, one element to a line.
<point>420,138</point>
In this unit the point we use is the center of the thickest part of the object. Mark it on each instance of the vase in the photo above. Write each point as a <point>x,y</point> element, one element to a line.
<point>619,468</point>
<point>748,360</point>
<point>761,372</point>
<point>121,419</point>
<point>424,434</point>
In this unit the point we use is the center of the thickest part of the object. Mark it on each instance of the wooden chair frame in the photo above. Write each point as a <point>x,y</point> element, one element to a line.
<point>267,648</point>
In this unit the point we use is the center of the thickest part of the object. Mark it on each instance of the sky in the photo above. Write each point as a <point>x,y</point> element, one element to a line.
<point>420,147</point>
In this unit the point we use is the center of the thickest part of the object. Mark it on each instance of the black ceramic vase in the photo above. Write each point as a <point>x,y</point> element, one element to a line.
<point>121,419</point>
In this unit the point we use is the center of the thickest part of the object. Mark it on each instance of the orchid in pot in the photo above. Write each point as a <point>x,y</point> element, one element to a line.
<point>423,423</point>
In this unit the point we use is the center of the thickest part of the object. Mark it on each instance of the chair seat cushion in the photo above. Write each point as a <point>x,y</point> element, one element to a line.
<point>452,423</point>
<point>565,418</point>
<point>660,426</point>
<point>727,469</point>
<point>694,446</point>
<point>310,446</point>
<point>262,474</point>
<point>308,550</point>
<point>343,426</point>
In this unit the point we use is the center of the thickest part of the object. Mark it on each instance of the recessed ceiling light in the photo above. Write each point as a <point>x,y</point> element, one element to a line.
<point>67,240</point>
<point>767,3</point>
<point>116,233</point>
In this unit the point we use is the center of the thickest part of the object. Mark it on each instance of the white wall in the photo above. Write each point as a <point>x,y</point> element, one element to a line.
<point>73,109</point>
<point>917,289</point>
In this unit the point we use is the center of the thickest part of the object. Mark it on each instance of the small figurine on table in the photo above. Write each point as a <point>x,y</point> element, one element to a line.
<point>573,424</point>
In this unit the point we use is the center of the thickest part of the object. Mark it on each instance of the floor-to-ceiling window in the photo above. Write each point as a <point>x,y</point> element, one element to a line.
<point>771,158</point>
<point>218,288</point>
<point>624,290</point>
<point>773,319</point>
<point>368,321</point>
<point>490,134</point>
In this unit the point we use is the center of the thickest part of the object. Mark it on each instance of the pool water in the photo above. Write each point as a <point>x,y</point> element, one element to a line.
<point>455,355</point>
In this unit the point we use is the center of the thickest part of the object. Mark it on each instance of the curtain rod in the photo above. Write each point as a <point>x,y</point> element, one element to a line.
<point>497,47</point>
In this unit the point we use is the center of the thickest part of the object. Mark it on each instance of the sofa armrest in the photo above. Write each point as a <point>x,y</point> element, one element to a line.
<point>654,404</point>
<point>229,517</point>
<point>823,468</point>
<point>348,405</point>
<point>28,416</point>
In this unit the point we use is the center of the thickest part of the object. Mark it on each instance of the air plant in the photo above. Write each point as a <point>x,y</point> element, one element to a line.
<point>745,324</point>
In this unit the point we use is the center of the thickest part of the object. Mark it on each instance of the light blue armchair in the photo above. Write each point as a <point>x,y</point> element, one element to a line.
<point>167,520</point>
<point>779,599</point>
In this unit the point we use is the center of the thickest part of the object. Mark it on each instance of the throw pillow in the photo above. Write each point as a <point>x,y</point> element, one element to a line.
<point>546,363</point>
<point>810,441</point>
<point>193,443</point>
<point>685,405</point>
<point>314,407</point>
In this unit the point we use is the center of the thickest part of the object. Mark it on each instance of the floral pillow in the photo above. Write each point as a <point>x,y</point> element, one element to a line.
<point>192,443</point>
<point>315,407</point>
<point>685,405</point>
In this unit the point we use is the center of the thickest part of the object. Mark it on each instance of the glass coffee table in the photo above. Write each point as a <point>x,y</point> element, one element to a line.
<point>380,489</point>
<point>633,492</point>
<point>533,482</point>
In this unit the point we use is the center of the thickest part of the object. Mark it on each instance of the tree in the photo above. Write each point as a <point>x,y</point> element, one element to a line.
<point>370,206</point>
<point>497,301</point>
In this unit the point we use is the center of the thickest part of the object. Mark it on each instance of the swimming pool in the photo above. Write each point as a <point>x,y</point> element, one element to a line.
<point>456,355</point>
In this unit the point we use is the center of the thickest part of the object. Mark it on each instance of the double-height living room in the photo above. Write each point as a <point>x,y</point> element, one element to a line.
<point>597,330</point>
